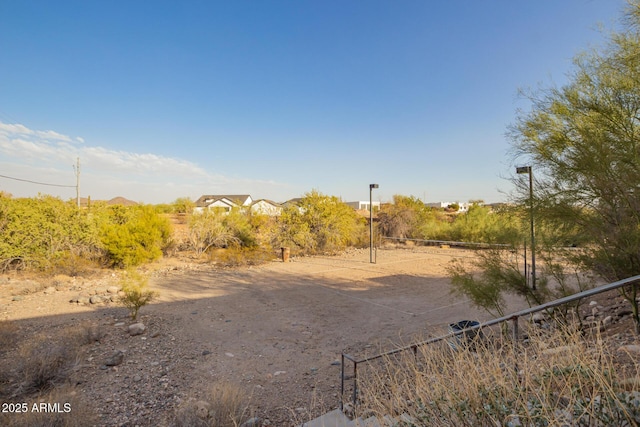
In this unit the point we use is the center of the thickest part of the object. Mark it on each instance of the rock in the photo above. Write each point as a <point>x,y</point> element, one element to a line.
<point>252,422</point>
<point>624,312</point>
<point>119,324</point>
<point>607,321</point>
<point>202,409</point>
<point>538,317</point>
<point>630,348</point>
<point>17,298</point>
<point>74,300</point>
<point>137,378</point>
<point>50,290</point>
<point>593,303</point>
<point>113,289</point>
<point>114,298</point>
<point>83,300</point>
<point>206,352</point>
<point>136,329</point>
<point>95,299</point>
<point>229,354</point>
<point>115,359</point>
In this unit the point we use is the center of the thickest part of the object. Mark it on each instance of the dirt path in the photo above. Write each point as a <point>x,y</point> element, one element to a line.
<point>276,330</point>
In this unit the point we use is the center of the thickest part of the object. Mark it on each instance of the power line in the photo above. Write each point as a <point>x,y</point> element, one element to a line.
<point>36,182</point>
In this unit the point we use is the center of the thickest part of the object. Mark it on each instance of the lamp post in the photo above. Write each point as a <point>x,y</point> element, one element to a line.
<point>371,187</point>
<point>527,170</point>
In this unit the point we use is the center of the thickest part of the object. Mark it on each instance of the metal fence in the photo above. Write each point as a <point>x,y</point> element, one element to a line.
<point>511,317</point>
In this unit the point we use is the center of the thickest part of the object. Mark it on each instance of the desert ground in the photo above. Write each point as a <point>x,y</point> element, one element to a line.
<point>276,330</point>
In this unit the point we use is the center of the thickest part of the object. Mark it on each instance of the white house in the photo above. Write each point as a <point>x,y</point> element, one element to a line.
<point>364,205</point>
<point>266,207</point>
<point>462,207</point>
<point>225,202</point>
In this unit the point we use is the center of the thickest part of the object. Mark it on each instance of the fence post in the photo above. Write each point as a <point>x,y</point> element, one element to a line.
<point>355,383</point>
<point>342,382</point>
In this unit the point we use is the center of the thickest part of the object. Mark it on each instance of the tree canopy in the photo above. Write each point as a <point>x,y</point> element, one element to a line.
<point>583,142</point>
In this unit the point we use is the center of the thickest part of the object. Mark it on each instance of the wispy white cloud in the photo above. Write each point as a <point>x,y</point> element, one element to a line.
<point>20,142</point>
<point>106,173</point>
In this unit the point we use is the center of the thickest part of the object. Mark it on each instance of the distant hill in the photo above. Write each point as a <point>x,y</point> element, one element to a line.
<point>115,201</point>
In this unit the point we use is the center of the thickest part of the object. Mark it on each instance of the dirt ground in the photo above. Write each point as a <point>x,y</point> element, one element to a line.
<point>276,330</point>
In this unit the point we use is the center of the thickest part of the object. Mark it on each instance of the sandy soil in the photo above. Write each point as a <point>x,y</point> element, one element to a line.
<point>276,330</point>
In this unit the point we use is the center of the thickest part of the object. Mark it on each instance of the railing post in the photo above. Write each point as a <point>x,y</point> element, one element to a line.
<point>515,329</point>
<point>355,384</point>
<point>342,382</point>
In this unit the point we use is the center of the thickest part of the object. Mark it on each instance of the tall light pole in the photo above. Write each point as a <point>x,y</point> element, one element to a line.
<point>371,187</point>
<point>527,170</point>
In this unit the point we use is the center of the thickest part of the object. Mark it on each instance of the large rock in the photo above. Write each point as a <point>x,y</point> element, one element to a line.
<point>136,329</point>
<point>115,359</point>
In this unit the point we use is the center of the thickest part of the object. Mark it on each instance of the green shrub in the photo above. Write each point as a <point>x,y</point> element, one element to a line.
<point>133,235</point>
<point>136,293</point>
<point>318,223</point>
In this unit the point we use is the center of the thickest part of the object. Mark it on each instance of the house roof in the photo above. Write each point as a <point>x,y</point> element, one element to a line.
<point>271,202</point>
<point>239,199</point>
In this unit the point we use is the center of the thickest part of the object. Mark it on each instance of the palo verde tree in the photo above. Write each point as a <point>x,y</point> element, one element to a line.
<point>319,223</point>
<point>583,141</point>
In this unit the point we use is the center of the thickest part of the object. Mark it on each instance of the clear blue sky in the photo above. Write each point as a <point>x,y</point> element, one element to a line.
<point>167,99</point>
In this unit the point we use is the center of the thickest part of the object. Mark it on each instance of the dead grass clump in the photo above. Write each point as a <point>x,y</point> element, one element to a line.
<point>558,378</point>
<point>47,361</point>
<point>71,264</point>
<point>223,406</point>
<point>9,335</point>
<point>240,256</point>
<point>63,407</point>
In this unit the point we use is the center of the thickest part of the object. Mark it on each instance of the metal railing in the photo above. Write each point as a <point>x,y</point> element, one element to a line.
<point>511,317</point>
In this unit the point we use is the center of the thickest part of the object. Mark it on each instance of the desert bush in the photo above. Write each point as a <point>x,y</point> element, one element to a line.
<point>136,292</point>
<point>318,223</point>
<point>558,378</point>
<point>33,231</point>
<point>133,235</point>
<point>239,256</point>
<point>223,406</point>
<point>208,230</point>
<point>72,264</point>
<point>71,410</point>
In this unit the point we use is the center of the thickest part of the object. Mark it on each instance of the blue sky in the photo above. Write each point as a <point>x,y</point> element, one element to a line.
<point>167,99</point>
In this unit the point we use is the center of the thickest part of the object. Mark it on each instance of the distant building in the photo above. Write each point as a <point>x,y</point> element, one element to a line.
<point>266,207</point>
<point>462,207</point>
<point>224,202</point>
<point>364,205</point>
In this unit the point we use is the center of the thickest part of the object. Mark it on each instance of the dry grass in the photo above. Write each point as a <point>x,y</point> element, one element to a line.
<point>9,335</point>
<point>41,362</point>
<point>238,257</point>
<point>223,406</point>
<point>46,362</point>
<point>557,378</point>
